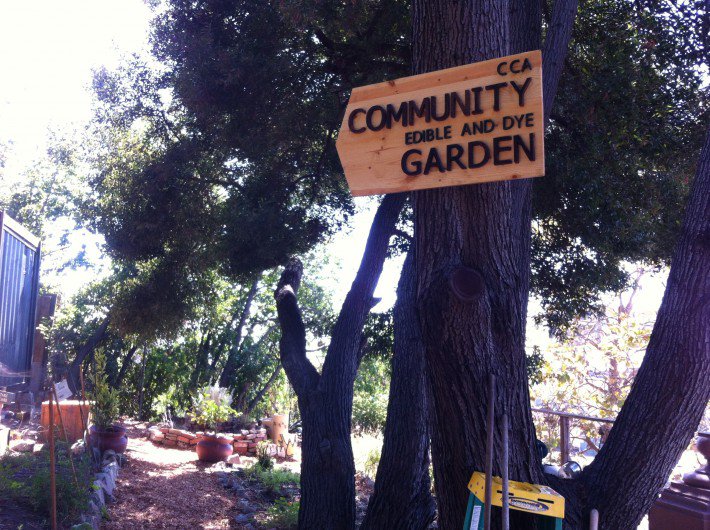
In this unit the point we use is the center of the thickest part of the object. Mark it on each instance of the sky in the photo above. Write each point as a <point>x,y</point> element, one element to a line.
<point>48,49</point>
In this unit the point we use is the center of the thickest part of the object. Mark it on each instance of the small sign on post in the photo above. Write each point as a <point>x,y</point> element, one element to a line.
<point>6,397</point>
<point>62,390</point>
<point>480,122</point>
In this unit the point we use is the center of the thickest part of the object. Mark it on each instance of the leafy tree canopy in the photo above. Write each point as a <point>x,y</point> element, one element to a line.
<point>217,153</point>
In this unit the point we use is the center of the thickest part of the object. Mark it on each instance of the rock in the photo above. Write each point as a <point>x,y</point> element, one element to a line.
<point>234,459</point>
<point>112,470</point>
<point>242,518</point>
<point>78,447</point>
<point>83,526</point>
<point>22,446</point>
<point>106,482</point>
<point>98,495</point>
<point>245,507</point>
<point>37,448</point>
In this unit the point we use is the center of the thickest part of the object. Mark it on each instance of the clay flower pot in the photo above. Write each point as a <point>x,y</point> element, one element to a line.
<point>213,448</point>
<point>114,438</point>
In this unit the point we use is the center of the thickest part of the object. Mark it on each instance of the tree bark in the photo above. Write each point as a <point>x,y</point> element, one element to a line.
<point>479,236</point>
<point>402,497</point>
<point>230,366</point>
<point>671,389</point>
<point>325,400</point>
<point>85,351</point>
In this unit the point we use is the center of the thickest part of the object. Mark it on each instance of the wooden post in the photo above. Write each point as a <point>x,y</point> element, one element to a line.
<point>52,468</point>
<point>64,430</point>
<point>564,439</point>
<point>487,508</point>
<point>504,504</point>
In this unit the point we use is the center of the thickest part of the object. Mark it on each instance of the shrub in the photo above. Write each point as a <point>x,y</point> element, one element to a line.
<point>104,409</point>
<point>271,479</point>
<point>372,462</point>
<point>264,459</point>
<point>283,514</point>
<point>369,412</point>
<point>211,406</point>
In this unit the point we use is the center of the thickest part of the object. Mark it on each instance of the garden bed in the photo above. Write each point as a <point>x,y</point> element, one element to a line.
<point>24,487</point>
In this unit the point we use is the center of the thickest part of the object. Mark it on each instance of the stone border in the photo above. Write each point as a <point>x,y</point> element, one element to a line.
<point>104,486</point>
<point>244,442</point>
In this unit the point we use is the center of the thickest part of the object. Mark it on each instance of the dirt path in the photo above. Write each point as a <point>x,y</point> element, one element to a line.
<point>168,488</point>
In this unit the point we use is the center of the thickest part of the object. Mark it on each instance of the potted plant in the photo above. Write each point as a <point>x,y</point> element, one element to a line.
<point>105,433</point>
<point>212,408</point>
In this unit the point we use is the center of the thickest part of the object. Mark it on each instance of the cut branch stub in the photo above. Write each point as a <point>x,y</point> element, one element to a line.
<point>466,283</point>
<point>290,277</point>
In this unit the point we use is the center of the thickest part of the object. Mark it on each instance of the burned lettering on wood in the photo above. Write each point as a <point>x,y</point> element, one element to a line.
<point>480,122</point>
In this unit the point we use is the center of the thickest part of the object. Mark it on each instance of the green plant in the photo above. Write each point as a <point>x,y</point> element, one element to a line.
<point>211,406</point>
<point>24,479</point>
<point>272,479</point>
<point>263,457</point>
<point>104,408</point>
<point>372,462</point>
<point>283,514</point>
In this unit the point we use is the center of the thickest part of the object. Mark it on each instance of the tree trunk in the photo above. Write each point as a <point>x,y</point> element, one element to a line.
<point>85,351</point>
<point>671,389</point>
<point>125,366</point>
<point>260,394</point>
<point>201,360</point>
<point>402,497</point>
<point>325,400</point>
<point>230,366</point>
<point>478,238</point>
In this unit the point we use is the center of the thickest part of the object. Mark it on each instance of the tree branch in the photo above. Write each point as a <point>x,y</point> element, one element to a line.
<point>292,345</point>
<point>342,358</point>
<point>555,49</point>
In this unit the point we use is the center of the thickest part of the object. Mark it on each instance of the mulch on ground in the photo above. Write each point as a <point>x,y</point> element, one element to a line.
<point>161,487</point>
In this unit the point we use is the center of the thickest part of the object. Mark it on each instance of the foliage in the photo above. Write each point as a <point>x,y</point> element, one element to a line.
<point>282,514</point>
<point>211,406</point>
<point>534,363</point>
<point>262,456</point>
<point>621,148</point>
<point>104,399</point>
<point>590,371</point>
<point>272,479</point>
<point>372,462</point>
<point>371,394</point>
<point>25,479</point>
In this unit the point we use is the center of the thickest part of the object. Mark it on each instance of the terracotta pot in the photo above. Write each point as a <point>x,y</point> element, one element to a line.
<point>213,448</point>
<point>114,438</point>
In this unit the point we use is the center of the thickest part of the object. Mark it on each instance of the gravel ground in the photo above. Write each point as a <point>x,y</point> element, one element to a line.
<point>167,488</point>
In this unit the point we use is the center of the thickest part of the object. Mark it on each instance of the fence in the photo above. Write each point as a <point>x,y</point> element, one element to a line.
<point>564,426</point>
<point>19,284</point>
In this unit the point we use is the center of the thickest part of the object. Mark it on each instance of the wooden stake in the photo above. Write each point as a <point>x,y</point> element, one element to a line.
<point>52,469</point>
<point>593,520</point>
<point>489,452</point>
<point>66,438</point>
<point>504,504</point>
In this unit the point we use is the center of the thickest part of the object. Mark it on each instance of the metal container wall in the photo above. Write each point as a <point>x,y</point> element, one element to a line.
<point>19,263</point>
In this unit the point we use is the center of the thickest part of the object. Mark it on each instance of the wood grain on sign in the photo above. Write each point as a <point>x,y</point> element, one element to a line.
<point>6,397</point>
<point>480,122</point>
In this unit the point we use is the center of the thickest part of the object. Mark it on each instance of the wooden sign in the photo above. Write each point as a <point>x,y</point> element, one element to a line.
<point>6,397</point>
<point>480,122</point>
<point>62,390</point>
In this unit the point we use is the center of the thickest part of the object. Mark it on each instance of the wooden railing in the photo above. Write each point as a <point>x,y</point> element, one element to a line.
<point>564,421</point>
